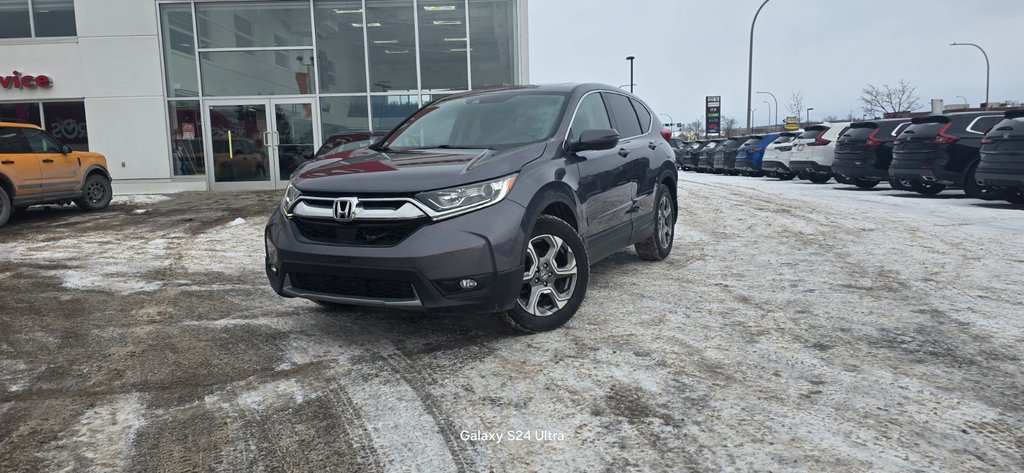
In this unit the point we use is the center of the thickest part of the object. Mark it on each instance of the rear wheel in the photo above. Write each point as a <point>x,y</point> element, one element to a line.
<point>866,183</point>
<point>5,207</point>
<point>659,245</point>
<point>557,271</point>
<point>900,184</point>
<point>819,178</point>
<point>972,189</point>
<point>928,188</point>
<point>96,194</point>
<point>786,177</point>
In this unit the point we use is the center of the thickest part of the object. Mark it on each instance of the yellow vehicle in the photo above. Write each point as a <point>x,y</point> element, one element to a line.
<point>35,169</point>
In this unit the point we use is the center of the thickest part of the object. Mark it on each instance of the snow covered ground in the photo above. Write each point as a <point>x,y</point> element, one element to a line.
<point>795,327</point>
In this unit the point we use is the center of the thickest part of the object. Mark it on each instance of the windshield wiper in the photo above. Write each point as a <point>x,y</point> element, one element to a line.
<point>378,148</point>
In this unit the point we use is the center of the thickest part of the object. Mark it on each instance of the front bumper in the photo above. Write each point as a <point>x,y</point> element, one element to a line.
<point>421,272</point>
<point>810,167</point>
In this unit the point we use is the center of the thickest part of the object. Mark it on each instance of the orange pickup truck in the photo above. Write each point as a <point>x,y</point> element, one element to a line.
<point>35,169</point>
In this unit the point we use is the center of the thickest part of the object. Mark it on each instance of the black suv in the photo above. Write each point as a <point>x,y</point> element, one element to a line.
<point>706,156</point>
<point>493,201</point>
<point>940,151</point>
<point>1002,158</point>
<point>863,154</point>
<point>679,147</point>
<point>691,155</point>
<point>725,155</point>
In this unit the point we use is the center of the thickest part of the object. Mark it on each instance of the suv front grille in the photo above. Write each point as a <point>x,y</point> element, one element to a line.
<point>353,287</point>
<point>357,233</point>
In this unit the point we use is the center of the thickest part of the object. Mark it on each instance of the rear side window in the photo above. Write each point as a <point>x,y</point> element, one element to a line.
<point>643,114</point>
<point>784,139</point>
<point>622,112</point>
<point>13,142</point>
<point>591,115</point>
<point>982,125</point>
<point>858,134</point>
<point>809,134</point>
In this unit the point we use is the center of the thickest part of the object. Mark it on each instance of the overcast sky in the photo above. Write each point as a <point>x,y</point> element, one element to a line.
<point>826,49</point>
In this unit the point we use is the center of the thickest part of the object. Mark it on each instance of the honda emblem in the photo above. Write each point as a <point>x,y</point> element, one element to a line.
<point>344,210</point>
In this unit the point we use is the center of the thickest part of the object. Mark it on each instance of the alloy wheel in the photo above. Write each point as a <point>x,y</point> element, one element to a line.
<point>665,226</point>
<point>550,277</point>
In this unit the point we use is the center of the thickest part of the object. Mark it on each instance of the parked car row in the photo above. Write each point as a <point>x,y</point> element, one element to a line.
<point>981,153</point>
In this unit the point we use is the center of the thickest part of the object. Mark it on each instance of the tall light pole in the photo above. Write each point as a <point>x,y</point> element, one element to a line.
<point>988,68</point>
<point>750,65</point>
<point>776,107</point>
<point>769,114</point>
<point>630,59</point>
<point>809,115</point>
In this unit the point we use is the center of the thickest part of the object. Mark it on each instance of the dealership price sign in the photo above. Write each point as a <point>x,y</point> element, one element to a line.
<point>713,115</point>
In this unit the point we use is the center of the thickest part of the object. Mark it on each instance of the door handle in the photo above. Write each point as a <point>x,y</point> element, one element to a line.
<point>266,139</point>
<point>652,145</point>
<point>47,160</point>
<point>623,152</point>
<point>6,162</point>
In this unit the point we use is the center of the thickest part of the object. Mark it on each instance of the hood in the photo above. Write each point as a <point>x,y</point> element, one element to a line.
<point>365,171</point>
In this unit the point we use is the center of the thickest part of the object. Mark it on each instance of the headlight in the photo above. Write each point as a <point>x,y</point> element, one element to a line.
<point>459,200</point>
<point>290,196</point>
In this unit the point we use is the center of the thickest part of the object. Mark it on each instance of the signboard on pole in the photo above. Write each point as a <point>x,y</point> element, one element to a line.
<point>792,123</point>
<point>713,115</point>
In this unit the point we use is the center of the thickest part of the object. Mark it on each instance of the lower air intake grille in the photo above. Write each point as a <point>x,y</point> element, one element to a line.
<point>353,287</point>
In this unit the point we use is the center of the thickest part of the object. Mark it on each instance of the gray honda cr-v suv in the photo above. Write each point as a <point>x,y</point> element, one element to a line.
<point>494,201</point>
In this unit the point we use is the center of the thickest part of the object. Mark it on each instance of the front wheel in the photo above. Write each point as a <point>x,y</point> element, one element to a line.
<point>555,279</point>
<point>5,207</point>
<point>819,178</point>
<point>96,194</point>
<point>928,188</point>
<point>659,245</point>
<point>866,183</point>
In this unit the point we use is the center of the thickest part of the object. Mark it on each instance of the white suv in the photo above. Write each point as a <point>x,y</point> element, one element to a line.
<point>814,150</point>
<point>777,154</point>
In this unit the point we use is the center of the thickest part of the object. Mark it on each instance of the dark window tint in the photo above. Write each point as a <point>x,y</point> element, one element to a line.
<point>842,132</point>
<point>784,139</point>
<point>859,134</point>
<point>643,114</point>
<point>22,112</point>
<point>899,129</point>
<point>810,134</point>
<point>14,21</point>
<point>753,141</point>
<point>13,142</point>
<point>983,124</point>
<point>54,18</point>
<point>66,122</point>
<point>927,130</point>
<point>622,112</point>
<point>591,115</point>
<point>40,142</point>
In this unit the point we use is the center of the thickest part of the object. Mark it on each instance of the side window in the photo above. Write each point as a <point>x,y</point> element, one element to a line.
<point>643,114</point>
<point>899,129</point>
<point>13,142</point>
<point>591,115</point>
<point>622,112</point>
<point>40,142</point>
<point>984,124</point>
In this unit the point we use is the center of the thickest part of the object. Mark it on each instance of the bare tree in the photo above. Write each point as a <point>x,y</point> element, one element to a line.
<point>832,119</point>
<point>881,100</point>
<point>728,125</point>
<point>796,105</point>
<point>694,128</point>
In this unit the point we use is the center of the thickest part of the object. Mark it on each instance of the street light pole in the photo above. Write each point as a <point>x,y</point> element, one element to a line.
<point>630,59</point>
<point>776,107</point>
<point>988,68</point>
<point>769,113</point>
<point>809,115</point>
<point>750,65</point>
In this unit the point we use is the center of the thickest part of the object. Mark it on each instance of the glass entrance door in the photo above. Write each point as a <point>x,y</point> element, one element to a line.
<point>257,144</point>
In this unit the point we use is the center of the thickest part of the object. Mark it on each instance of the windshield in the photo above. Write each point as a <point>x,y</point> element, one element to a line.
<point>490,120</point>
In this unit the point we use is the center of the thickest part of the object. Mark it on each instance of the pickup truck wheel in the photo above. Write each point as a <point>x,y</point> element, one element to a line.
<point>557,271</point>
<point>866,183</point>
<point>96,194</point>
<point>5,207</point>
<point>659,245</point>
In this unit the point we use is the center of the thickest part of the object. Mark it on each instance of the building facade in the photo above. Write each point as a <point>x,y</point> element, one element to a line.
<point>233,94</point>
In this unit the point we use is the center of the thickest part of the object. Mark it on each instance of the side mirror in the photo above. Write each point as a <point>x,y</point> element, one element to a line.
<point>66,149</point>
<point>595,140</point>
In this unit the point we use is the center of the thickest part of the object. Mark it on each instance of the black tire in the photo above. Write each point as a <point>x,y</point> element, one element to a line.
<point>803,176</point>
<point>927,188</point>
<point>843,180</point>
<point>972,189</point>
<point>866,183</point>
<point>900,185</point>
<point>1015,196</point>
<point>549,316</point>
<point>819,178</point>
<point>659,245</point>
<point>786,177</point>
<point>5,207</point>
<point>96,193</point>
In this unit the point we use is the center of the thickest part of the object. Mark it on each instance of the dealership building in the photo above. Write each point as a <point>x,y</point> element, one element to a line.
<point>233,95</point>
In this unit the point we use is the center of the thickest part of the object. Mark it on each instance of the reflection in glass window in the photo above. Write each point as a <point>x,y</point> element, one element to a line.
<point>491,24</point>
<point>186,138</point>
<point>343,114</point>
<point>340,46</point>
<point>256,73</point>
<point>392,37</point>
<point>53,18</point>
<point>179,50</point>
<point>390,110</point>
<point>443,43</point>
<point>254,24</point>
<point>66,122</point>
<point>40,142</point>
<point>14,20</point>
<point>23,112</point>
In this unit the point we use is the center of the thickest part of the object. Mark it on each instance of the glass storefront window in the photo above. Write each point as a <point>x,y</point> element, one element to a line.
<point>66,122</point>
<point>341,46</point>
<point>24,112</point>
<point>54,18</point>
<point>186,128</point>
<point>14,19</point>
<point>390,110</point>
<point>254,24</point>
<point>392,45</point>
<point>491,24</point>
<point>228,73</point>
<point>443,45</point>
<point>179,50</point>
<point>343,115</point>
